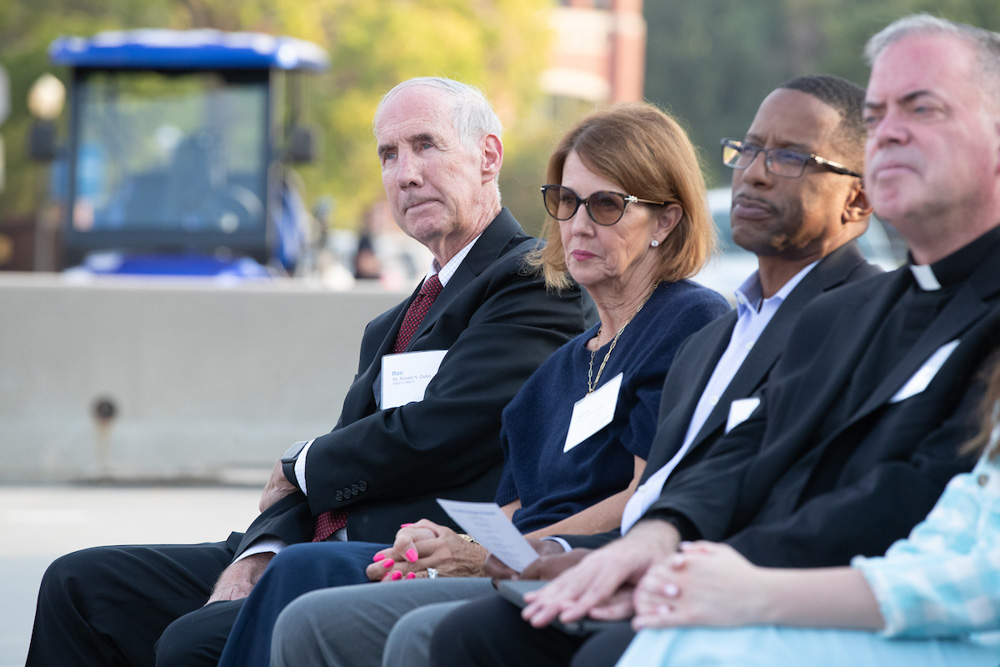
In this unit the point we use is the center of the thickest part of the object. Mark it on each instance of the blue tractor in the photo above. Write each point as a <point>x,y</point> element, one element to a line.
<point>180,151</point>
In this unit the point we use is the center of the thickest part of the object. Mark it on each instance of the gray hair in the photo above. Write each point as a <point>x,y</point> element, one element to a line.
<point>472,113</point>
<point>985,43</point>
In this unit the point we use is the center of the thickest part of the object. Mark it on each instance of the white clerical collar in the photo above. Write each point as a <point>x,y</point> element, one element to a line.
<point>924,275</point>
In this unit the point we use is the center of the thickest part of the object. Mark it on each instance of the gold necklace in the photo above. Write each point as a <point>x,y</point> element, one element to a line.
<point>591,380</point>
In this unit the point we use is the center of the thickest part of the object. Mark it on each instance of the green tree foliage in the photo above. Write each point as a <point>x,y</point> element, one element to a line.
<point>500,45</point>
<point>711,62</point>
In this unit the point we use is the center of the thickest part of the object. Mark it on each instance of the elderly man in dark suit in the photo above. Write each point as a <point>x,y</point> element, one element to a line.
<point>802,227</point>
<point>859,427</point>
<point>485,320</point>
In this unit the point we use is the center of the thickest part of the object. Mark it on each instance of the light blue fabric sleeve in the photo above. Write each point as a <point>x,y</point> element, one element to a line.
<point>944,579</point>
<point>765,646</point>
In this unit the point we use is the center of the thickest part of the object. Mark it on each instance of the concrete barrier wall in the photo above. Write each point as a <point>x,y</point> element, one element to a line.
<point>166,379</point>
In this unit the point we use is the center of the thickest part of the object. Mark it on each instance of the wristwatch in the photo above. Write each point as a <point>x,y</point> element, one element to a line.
<point>288,460</point>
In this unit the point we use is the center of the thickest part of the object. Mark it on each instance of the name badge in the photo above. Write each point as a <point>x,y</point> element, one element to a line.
<point>405,376</point>
<point>923,377</point>
<point>593,412</point>
<point>739,411</point>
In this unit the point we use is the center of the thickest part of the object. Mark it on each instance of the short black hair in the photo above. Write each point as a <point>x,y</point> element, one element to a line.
<point>846,98</point>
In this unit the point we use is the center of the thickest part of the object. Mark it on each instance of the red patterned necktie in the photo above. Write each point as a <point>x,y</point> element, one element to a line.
<point>416,312</point>
<point>330,522</point>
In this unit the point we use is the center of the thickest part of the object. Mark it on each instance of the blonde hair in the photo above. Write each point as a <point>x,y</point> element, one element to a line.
<point>649,155</point>
<point>989,411</point>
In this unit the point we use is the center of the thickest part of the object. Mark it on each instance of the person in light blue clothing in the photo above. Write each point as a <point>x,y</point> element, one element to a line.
<point>932,600</point>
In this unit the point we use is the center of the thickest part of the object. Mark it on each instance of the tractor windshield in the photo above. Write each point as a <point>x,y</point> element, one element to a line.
<point>159,153</point>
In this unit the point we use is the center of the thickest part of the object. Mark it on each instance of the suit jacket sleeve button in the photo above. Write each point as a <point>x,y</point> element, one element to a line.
<point>363,485</point>
<point>355,489</point>
<point>339,495</point>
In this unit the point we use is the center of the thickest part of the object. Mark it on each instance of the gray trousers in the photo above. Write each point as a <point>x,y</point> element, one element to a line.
<point>350,625</point>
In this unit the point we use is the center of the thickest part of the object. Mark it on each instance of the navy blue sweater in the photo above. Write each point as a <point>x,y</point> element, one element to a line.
<point>553,485</point>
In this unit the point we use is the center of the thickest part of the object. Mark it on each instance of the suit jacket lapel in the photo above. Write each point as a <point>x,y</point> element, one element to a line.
<point>831,272</point>
<point>858,333</point>
<point>695,364</point>
<point>487,249</point>
<point>967,307</point>
<point>964,309</point>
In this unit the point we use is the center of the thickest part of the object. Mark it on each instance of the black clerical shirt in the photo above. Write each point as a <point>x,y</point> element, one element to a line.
<point>916,309</point>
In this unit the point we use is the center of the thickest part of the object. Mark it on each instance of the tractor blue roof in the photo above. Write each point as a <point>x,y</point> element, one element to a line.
<point>188,49</point>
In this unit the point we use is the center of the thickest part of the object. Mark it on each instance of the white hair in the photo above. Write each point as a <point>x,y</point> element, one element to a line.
<point>985,44</point>
<point>472,114</point>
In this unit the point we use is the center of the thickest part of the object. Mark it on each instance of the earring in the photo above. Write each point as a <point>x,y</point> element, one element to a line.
<point>654,243</point>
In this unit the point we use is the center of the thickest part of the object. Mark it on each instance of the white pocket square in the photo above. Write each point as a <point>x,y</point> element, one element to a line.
<point>926,373</point>
<point>739,411</point>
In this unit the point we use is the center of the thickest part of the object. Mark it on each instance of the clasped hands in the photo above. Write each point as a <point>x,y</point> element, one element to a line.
<point>646,577</point>
<point>425,544</point>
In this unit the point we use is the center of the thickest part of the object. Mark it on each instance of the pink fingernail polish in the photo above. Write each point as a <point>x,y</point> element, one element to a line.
<point>410,575</point>
<point>397,575</point>
<point>405,525</point>
<point>388,562</point>
<point>378,557</point>
<point>411,555</point>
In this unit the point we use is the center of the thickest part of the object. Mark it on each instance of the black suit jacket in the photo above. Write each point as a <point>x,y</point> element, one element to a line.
<point>385,467</point>
<point>697,357</point>
<point>786,489</point>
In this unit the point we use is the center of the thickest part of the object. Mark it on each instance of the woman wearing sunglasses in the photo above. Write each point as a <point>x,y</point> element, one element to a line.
<point>629,222</point>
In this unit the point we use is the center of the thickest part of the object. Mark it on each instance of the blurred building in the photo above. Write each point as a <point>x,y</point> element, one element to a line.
<point>599,51</point>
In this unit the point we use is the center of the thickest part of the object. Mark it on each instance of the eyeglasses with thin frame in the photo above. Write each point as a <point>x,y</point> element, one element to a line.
<point>779,161</point>
<point>604,206</point>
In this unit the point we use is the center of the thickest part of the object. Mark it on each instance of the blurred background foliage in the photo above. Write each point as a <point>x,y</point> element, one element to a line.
<point>710,62</point>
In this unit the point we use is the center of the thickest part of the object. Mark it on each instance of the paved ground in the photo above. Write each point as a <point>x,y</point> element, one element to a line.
<point>39,523</point>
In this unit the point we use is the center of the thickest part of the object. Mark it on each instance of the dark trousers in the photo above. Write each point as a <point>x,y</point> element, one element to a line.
<point>145,605</point>
<point>112,605</point>
<point>490,631</point>
<point>297,570</point>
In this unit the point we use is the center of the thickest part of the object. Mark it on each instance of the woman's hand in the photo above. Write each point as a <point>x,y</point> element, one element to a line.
<point>704,584</point>
<point>404,547</point>
<point>424,545</point>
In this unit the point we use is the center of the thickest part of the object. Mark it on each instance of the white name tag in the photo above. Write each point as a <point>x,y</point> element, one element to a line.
<point>593,412</point>
<point>923,377</point>
<point>405,376</point>
<point>739,411</point>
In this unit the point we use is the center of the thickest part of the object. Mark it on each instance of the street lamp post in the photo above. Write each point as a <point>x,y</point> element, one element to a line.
<point>46,98</point>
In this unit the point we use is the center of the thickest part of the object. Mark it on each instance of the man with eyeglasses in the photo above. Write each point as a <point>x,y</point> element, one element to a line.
<point>860,424</point>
